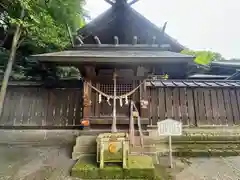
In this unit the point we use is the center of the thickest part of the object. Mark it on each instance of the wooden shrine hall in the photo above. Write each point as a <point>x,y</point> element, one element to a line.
<point>133,65</point>
<point>116,58</point>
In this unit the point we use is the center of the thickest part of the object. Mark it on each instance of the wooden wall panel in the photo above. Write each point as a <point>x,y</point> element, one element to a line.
<point>155,107</point>
<point>183,106</point>
<point>57,107</point>
<point>197,106</point>
<point>161,104</point>
<point>191,107</point>
<point>169,103</point>
<point>176,104</point>
<point>215,109</point>
<point>227,103</point>
<point>221,107</point>
<point>234,106</point>
<point>43,108</point>
<point>208,106</point>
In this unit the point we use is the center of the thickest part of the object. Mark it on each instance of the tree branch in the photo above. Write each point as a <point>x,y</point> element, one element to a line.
<point>20,42</point>
<point>3,6</point>
<point>70,35</point>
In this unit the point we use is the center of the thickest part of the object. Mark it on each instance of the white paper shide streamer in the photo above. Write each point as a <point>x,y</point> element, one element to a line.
<point>126,100</point>
<point>121,102</point>
<point>100,98</point>
<point>108,101</point>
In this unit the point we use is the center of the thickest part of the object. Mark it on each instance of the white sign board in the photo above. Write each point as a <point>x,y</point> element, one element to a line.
<point>169,127</point>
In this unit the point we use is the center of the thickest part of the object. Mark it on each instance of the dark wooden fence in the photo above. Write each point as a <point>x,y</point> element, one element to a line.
<point>41,107</point>
<point>36,106</point>
<point>195,106</point>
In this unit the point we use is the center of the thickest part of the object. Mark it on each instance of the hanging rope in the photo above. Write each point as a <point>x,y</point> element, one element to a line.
<point>139,124</point>
<point>117,97</point>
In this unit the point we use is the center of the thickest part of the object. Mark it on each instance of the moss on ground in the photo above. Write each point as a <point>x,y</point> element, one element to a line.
<point>207,138</point>
<point>202,150</point>
<point>204,153</point>
<point>113,157</point>
<point>139,167</point>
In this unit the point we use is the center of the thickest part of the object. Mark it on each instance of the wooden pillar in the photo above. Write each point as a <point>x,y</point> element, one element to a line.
<point>97,104</point>
<point>114,123</point>
<point>141,72</point>
<point>89,73</point>
<point>143,100</point>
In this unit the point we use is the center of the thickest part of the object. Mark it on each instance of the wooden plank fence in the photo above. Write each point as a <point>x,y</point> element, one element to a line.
<point>195,106</point>
<point>42,107</point>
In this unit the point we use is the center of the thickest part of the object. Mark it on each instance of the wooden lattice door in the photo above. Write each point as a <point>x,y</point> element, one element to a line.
<point>106,108</point>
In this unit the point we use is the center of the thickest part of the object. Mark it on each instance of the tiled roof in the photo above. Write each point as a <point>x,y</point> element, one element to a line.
<point>190,83</point>
<point>208,76</point>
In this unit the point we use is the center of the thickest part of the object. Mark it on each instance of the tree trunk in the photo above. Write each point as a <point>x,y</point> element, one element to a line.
<point>8,70</point>
<point>70,35</point>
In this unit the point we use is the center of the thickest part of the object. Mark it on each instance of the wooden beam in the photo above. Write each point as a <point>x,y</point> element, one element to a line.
<point>97,40</point>
<point>164,27</point>
<point>109,2</point>
<point>79,40</point>
<point>132,2</point>
<point>116,41</point>
<point>135,40</point>
<point>90,72</point>
<point>154,40</point>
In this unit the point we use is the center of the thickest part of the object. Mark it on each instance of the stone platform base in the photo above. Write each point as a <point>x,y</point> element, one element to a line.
<point>205,141</point>
<point>139,167</point>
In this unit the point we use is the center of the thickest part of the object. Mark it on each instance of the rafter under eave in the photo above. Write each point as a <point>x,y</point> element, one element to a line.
<point>132,2</point>
<point>109,2</point>
<point>129,3</point>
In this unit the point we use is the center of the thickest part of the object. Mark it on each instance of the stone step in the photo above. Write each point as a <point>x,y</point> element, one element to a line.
<point>85,149</point>
<point>142,150</point>
<point>87,145</point>
<point>95,132</point>
<point>133,150</point>
<point>85,140</point>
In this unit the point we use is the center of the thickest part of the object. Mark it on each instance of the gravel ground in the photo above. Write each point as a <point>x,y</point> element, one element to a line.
<point>227,168</point>
<point>34,163</point>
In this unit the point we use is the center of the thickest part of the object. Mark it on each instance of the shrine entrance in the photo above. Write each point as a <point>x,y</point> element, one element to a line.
<point>110,96</point>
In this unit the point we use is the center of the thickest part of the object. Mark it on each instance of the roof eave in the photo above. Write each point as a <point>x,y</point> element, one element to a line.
<point>118,60</point>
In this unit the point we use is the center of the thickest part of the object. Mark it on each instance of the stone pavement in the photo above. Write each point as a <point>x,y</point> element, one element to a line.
<point>39,155</point>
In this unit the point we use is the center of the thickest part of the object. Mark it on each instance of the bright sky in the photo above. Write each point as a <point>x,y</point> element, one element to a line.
<point>197,24</point>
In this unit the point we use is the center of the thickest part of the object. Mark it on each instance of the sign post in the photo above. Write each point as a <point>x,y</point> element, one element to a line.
<point>170,127</point>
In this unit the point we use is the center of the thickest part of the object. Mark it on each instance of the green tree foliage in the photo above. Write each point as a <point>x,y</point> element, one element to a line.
<point>203,57</point>
<point>44,23</point>
<point>72,10</point>
<point>40,24</point>
<point>43,29</point>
